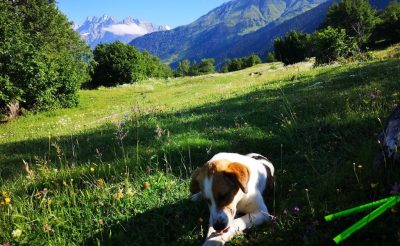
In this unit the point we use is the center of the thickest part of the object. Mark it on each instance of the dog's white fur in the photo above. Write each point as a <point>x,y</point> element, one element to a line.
<point>251,203</point>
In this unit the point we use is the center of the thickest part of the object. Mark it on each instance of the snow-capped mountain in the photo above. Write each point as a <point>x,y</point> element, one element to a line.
<point>108,29</point>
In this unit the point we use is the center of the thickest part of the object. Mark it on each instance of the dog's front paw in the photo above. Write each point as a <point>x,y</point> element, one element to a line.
<point>214,241</point>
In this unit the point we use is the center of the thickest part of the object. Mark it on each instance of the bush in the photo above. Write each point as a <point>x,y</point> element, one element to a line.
<point>183,68</point>
<point>252,60</point>
<point>118,63</point>
<point>293,48</point>
<point>355,16</point>
<point>42,60</point>
<point>388,27</point>
<point>331,44</point>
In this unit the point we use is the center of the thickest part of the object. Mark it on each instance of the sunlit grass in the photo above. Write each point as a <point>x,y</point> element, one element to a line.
<point>115,170</point>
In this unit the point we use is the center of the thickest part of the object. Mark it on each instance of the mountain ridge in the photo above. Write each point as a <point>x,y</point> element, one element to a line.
<point>215,31</point>
<point>106,29</point>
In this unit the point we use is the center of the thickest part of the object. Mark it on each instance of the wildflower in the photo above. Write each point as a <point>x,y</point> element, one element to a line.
<point>129,192</point>
<point>146,185</point>
<point>7,200</point>
<point>272,219</point>
<point>360,166</point>
<point>92,169</point>
<point>296,209</point>
<point>4,193</point>
<point>101,222</point>
<point>119,195</point>
<point>6,244</point>
<point>100,183</point>
<point>47,228</point>
<point>16,233</point>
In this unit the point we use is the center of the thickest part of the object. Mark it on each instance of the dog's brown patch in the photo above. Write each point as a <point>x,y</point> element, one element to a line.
<point>227,178</point>
<point>197,178</point>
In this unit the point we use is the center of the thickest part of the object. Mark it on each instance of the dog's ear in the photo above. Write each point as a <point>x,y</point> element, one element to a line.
<point>195,180</point>
<point>240,173</point>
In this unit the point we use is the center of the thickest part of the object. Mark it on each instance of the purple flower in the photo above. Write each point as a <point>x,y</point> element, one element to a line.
<point>296,209</point>
<point>395,189</point>
<point>6,244</point>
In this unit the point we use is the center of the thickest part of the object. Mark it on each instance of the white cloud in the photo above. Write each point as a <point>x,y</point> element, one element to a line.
<point>126,29</point>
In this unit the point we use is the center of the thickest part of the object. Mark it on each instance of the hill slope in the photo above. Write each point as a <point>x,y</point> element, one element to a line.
<point>212,33</point>
<point>116,170</point>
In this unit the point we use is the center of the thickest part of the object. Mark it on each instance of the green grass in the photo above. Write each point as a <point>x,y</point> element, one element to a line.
<point>115,170</point>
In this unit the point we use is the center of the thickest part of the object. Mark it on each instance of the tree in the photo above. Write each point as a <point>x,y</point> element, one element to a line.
<point>357,17</point>
<point>271,57</point>
<point>206,66</point>
<point>388,27</point>
<point>332,43</point>
<point>294,47</point>
<point>183,68</point>
<point>252,60</point>
<point>43,61</point>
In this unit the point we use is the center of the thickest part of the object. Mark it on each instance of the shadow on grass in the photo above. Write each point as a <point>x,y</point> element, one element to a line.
<point>313,135</point>
<point>176,224</point>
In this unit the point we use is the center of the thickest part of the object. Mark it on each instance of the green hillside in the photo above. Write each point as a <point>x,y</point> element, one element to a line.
<point>214,34</point>
<point>115,170</point>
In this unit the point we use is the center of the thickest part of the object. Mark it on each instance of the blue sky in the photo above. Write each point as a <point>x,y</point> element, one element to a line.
<point>168,12</point>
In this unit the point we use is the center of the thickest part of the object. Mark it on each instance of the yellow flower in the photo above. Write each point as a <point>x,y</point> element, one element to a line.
<point>100,183</point>
<point>4,193</point>
<point>129,192</point>
<point>92,169</point>
<point>119,195</point>
<point>16,233</point>
<point>7,200</point>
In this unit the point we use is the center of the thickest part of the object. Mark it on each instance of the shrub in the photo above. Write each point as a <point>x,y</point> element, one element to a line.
<point>293,48</point>
<point>42,60</point>
<point>118,63</point>
<point>357,17</point>
<point>388,27</point>
<point>331,43</point>
<point>183,68</point>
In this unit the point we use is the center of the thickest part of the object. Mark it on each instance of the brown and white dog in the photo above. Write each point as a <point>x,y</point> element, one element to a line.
<point>233,184</point>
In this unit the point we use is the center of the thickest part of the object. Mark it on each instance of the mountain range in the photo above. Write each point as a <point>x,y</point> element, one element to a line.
<point>237,28</point>
<point>221,33</point>
<point>107,29</point>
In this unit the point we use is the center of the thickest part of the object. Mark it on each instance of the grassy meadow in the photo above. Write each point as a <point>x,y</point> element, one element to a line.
<point>115,170</point>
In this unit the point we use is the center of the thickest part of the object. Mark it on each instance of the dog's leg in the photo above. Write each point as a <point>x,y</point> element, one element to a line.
<point>239,225</point>
<point>213,238</point>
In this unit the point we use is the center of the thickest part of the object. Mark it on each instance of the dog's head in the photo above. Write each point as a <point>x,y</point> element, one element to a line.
<point>222,184</point>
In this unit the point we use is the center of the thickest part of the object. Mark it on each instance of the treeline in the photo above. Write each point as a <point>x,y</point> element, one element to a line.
<point>237,64</point>
<point>351,26</point>
<point>186,68</point>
